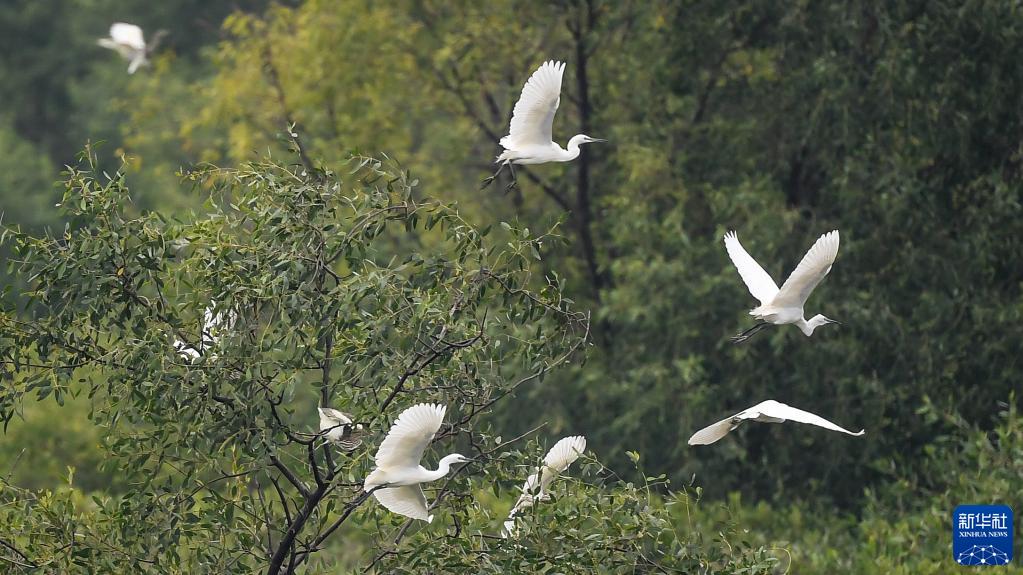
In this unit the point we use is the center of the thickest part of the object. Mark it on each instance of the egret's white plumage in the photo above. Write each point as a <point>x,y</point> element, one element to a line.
<point>557,460</point>
<point>127,40</point>
<point>532,122</point>
<point>214,324</point>
<point>127,35</point>
<point>530,138</point>
<point>398,462</point>
<point>784,305</point>
<point>186,351</point>
<point>338,428</point>
<point>769,411</point>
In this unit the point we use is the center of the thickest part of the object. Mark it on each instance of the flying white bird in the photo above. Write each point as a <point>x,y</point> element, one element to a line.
<point>557,460</point>
<point>127,40</point>
<point>529,139</point>
<point>769,411</point>
<point>398,469</point>
<point>338,428</point>
<point>785,305</point>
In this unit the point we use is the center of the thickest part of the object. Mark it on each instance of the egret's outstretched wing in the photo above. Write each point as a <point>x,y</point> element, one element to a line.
<point>563,454</point>
<point>127,34</point>
<point>408,500</point>
<point>775,409</point>
<point>811,270</point>
<point>533,117</point>
<point>109,44</point>
<point>756,279</point>
<point>557,460</point>
<point>713,432</point>
<point>769,411</point>
<point>410,435</point>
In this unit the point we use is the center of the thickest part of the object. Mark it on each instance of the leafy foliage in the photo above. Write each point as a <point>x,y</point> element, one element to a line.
<point>897,124</point>
<point>346,289</point>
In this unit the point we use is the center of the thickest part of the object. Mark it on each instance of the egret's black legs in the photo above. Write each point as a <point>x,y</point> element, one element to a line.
<point>749,332</point>
<point>488,181</point>
<point>514,181</point>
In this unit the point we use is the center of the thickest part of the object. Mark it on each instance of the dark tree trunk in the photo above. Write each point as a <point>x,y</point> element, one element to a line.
<point>584,217</point>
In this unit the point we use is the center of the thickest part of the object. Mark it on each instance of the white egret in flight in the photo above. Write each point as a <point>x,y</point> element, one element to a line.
<point>338,428</point>
<point>529,139</point>
<point>396,480</point>
<point>557,460</point>
<point>785,305</point>
<point>127,40</point>
<point>769,411</point>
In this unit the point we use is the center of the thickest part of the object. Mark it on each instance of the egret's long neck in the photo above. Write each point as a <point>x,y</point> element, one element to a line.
<point>443,467</point>
<point>805,327</point>
<point>572,152</point>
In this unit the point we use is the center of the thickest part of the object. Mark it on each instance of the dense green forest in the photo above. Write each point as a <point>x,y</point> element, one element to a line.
<point>313,168</point>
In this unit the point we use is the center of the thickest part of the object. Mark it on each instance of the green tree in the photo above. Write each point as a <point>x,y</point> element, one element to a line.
<point>327,296</point>
<point>891,123</point>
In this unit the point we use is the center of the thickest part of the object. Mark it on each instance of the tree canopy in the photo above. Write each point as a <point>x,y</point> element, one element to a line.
<point>606,279</point>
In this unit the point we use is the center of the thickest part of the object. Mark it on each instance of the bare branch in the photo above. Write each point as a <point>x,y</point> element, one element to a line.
<point>415,369</point>
<point>290,476</point>
<point>275,82</point>
<point>28,563</point>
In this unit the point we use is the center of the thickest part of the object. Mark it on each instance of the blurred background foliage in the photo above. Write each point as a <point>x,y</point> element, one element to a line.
<point>898,124</point>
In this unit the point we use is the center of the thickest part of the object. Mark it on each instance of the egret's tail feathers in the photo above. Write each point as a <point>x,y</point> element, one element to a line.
<point>374,479</point>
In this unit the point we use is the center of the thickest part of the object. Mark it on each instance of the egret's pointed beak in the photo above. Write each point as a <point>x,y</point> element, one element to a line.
<point>597,140</point>
<point>833,321</point>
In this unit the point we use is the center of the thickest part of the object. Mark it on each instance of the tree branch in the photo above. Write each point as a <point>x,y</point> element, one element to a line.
<point>275,82</point>
<point>28,562</point>
<point>417,367</point>
<point>290,476</point>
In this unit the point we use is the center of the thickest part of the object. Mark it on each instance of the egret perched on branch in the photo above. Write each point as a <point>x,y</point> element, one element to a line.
<point>769,411</point>
<point>338,428</point>
<point>213,327</point>
<point>785,305</point>
<point>529,139</point>
<point>396,480</point>
<point>556,462</point>
<point>127,40</point>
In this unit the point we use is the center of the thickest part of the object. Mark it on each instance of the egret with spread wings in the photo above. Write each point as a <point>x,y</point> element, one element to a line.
<point>396,481</point>
<point>784,305</point>
<point>557,460</point>
<point>530,139</point>
<point>127,40</point>
<point>769,411</point>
